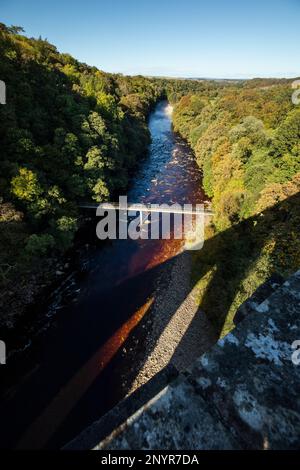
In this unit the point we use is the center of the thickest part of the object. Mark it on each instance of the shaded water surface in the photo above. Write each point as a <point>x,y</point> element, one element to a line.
<point>70,376</point>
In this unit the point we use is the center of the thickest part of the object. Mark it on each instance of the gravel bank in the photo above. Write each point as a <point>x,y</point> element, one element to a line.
<point>177,331</point>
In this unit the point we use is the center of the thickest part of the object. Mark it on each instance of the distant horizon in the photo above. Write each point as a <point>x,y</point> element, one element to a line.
<point>179,77</point>
<point>185,77</point>
<point>226,40</point>
<point>239,76</point>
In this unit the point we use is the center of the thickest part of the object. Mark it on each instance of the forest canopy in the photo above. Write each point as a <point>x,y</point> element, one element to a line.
<point>71,133</point>
<point>246,138</point>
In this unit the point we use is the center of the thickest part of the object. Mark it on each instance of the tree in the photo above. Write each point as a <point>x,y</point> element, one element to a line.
<point>25,185</point>
<point>39,245</point>
<point>251,129</point>
<point>287,138</point>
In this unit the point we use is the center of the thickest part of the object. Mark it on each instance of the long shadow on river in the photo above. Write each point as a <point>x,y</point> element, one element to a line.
<point>231,254</point>
<point>98,344</point>
<point>92,317</point>
<point>79,398</point>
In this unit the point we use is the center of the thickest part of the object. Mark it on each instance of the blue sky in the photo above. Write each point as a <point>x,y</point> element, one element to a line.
<point>198,38</point>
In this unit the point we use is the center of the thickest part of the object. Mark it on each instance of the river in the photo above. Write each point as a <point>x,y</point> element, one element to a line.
<point>76,370</point>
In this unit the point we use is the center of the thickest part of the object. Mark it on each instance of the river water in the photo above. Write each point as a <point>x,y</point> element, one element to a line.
<point>71,375</point>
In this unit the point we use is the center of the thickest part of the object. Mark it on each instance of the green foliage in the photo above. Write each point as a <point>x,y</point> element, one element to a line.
<point>230,131</point>
<point>250,128</point>
<point>25,185</point>
<point>287,137</point>
<point>39,245</point>
<point>69,133</point>
<point>64,230</point>
<point>246,139</point>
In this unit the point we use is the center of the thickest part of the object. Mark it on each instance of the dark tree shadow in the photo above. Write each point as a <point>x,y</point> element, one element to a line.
<point>231,253</point>
<point>229,256</point>
<point>70,389</point>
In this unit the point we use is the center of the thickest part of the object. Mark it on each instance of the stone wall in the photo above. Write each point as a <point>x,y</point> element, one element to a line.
<point>242,394</point>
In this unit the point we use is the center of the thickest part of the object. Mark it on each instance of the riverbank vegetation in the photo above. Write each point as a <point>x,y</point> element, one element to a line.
<point>246,140</point>
<point>69,133</point>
